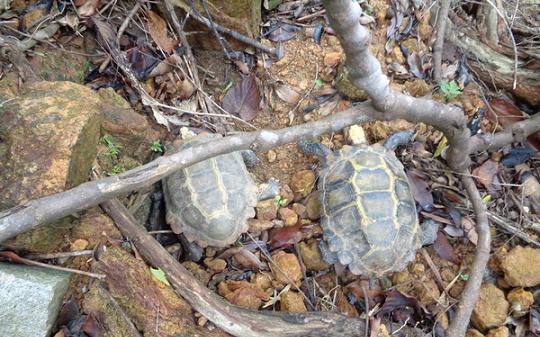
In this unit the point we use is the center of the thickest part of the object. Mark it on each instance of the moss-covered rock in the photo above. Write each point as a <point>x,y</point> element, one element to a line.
<point>49,132</point>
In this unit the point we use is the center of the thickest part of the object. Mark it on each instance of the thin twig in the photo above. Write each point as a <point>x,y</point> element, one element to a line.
<point>68,270</point>
<point>60,255</point>
<point>442,19</point>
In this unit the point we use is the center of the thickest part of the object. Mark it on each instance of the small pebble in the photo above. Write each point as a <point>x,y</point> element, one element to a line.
<point>271,156</point>
<point>216,265</point>
<point>289,217</point>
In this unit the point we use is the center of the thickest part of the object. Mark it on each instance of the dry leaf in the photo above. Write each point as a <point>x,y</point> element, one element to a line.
<point>420,190</point>
<point>485,173</point>
<point>89,8</point>
<point>158,30</point>
<point>287,94</point>
<point>444,249</point>
<point>243,99</point>
<point>470,228</point>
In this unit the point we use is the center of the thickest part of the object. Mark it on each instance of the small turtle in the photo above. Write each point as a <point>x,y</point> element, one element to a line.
<point>369,218</point>
<point>210,202</point>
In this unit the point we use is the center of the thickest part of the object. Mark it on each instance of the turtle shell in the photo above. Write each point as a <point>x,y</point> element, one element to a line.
<point>369,218</point>
<point>210,202</point>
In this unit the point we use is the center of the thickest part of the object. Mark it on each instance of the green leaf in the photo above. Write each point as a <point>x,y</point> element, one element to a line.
<point>160,276</point>
<point>486,199</point>
<point>156,147</point>
<point>450,90</point>
<point>318,83</point>
<point>464,276</point>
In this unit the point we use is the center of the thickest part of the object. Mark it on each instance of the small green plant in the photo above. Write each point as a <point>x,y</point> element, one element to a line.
<point>156,147</point>
<point>117,169</point>
<point>281,201</point>
<point>113,149</point>
<point>224,88</point>
<point>318,84</point>
<point>464,276</point>
<point>450,90</point>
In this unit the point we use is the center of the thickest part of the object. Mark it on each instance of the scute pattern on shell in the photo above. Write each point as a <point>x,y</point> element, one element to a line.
<point>210,202</point>
<point>369,217</point>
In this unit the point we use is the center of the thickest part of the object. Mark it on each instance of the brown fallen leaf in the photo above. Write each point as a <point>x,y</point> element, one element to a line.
<point>420,190</point>
<point>287,94</point>
<point>504,113</point>
<point>444,249</point>
<point>375,294</point>
<point>469,227</point>
<point>247,260</point>
<point>486,172</point>
<point>243,99</point>
<point>157,28</point>
<point>92,327</point>
<point>88,8</point>
<point>396,300</point>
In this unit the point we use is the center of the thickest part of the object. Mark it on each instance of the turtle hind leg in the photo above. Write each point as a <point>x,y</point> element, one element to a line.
<point>428,232</point>
<point>314,149</point>
<point>250,158</point>
<point>269,190</point>
<point>328,256</point>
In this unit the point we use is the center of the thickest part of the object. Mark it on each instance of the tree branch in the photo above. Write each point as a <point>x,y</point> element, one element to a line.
<point>517,132</point>
<point>365,72</point>
<point>47,209</point>
<point>442,20</point>
<point>232,319</point>
<point>469,296</point>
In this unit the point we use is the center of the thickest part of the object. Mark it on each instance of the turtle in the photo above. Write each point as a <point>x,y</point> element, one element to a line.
<point>368,212</point>
<point>210,202</point>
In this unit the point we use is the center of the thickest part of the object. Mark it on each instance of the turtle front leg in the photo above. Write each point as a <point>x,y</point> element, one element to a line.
<point>399,138</point>
<point>314,149</point>
<point>328,256</point>
<point>250,158</point>
<point>268,190</point>
<point>428,232</point>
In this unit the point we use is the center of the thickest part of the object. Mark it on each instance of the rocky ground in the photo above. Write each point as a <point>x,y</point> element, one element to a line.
<point>83,117</point>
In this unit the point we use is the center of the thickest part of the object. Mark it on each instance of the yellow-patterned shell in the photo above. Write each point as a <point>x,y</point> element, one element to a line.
<point>369,218</point>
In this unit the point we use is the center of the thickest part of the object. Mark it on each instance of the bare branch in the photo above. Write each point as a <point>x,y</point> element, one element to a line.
<point>365,72</point>
<point>469,296</point>
<point>442,22</point>
<point>53,207</point>
<point>517,132</point>
<point>234,320</point>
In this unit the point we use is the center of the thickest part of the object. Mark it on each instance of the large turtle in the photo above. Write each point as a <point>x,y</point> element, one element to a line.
<point>369,219</point>
<point>210,202</point>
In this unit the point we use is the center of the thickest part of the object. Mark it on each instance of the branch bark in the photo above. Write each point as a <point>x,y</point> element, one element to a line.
<point>442,20</point>
<point>53,207</point>
<point>365,72</point>
<point>459,324</point>
<point>517,132</point>
<point>232,319</point>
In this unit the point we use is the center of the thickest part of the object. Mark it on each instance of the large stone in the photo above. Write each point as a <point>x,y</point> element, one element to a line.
<point>132,130</point>
<point>143,298</point>
<point>243,16</point>
<point>30,298</point>
<point>491,309</point>
<point>50,133</point>
<point>521,267</point>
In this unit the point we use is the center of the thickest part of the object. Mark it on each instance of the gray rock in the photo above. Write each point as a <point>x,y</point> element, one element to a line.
<point>30,298</point>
